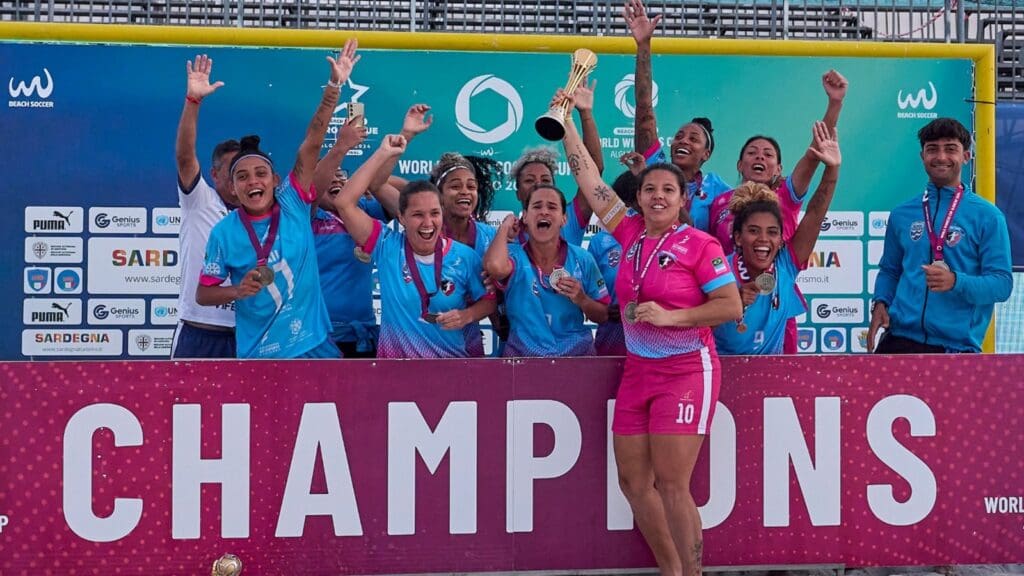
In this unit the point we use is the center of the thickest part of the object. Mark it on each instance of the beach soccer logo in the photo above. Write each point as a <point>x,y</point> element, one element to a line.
<point>917,102</point>
<point>476,90</point>
<point>33,94</point>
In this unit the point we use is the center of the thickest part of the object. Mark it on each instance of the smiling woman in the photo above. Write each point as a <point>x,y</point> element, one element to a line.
<point>430,285</point>
<point>266,249</point>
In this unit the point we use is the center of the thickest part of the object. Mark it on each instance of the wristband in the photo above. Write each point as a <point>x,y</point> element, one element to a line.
<point>192,100</point>
<point>334,84</point>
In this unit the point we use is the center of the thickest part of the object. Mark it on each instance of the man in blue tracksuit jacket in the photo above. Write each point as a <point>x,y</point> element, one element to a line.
<point>941,274</point>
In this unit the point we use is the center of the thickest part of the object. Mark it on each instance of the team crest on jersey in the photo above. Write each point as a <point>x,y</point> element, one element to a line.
<point>406,275</point>
<point>614,256</point>
<point>665,259</point>
<point>954,236</point>
<point>447,287</point>
<point>916,231</point>
<point>631,253</point>
<point>722,216</point>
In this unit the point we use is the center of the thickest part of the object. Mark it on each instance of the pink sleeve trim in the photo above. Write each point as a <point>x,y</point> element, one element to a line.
<point>652,150</point>
<point>488,296</point>
<point>307,197</point>
<point>371,242</point>
<point>207,280</point>
<point>606,300</point>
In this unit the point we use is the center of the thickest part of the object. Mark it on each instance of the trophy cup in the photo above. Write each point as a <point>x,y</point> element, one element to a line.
<point>551,126</point>
<point>227,565</point>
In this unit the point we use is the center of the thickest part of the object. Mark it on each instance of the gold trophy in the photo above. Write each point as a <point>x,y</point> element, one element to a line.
<point>227,565</point>
<point>551,126</point>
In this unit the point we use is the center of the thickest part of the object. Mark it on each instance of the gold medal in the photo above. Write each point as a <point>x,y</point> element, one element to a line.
<point>741,327</point>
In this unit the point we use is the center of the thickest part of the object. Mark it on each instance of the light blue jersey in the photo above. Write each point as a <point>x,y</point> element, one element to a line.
<point>403,332</point>
<point>542,321</point>
<point>474,337</point>
<point>288,318</point>
<point>610,339</point>
<point>346,282</point>
<point>766,318</point>
<point>702,190</point>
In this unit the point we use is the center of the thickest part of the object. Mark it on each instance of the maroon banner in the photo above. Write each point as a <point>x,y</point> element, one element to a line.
<point>363,467</point>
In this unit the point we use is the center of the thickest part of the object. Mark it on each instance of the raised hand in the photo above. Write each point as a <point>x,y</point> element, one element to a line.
<point>825,146</point>
<point>835,85</point>
<point>341,67</point>
<point>352,133</point>
<point>639,24</point>
<point>198,78</point>
<point>634,161</point>
<point>585,95</point>
<point>393,145</point>
<point>416,120</point>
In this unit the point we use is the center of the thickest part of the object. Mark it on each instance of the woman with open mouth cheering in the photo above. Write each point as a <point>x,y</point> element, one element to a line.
<point>549,284</point>
<point>426,278</point>
<point>765,264</point>
<point>266,248</point>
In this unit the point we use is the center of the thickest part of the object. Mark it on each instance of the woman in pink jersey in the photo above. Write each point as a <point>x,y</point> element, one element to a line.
<point>673,285</point>
<point>760,161</point>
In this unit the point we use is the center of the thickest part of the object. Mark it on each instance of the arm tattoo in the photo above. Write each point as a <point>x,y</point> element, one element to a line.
<point>603,193</point>
<point>575,163</point>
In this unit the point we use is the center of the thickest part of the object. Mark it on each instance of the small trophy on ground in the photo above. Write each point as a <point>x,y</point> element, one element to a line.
<point>551,126</point>
<point>227,565</point>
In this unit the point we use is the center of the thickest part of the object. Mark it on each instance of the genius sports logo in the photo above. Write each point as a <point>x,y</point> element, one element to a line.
<point>474,90</point>
<point>917,103</point>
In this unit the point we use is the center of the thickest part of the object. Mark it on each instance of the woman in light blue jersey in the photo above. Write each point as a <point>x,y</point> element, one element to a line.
<point>431,286</point>
<point>266,248</point>
<point>551,287</point>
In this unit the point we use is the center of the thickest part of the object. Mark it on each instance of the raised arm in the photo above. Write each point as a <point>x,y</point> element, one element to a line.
<point>642,28</point>
<point>496,260</point>
<point>416,122</point>
<point>350,135</point>
<point>360,225</point>
<point>825,147</point>
<point>309,150</point>
<point>197,87</point>
<point>599,195</point>
<point>835,86</point>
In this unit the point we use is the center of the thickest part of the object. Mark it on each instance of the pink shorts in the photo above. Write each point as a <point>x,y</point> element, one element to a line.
<point>675,395</point>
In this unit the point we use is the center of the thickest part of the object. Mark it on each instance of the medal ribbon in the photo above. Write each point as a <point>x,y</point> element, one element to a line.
<point>262,249</point>
<point>563,254</point>
<point>939,242</point>
<point>414,271</point>
<point>638,275</point>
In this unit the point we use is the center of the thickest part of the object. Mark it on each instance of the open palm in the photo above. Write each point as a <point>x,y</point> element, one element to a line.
<point>341,67</point>
<point>198,74</point>
<point>826,145</point>
<point>640,25</point>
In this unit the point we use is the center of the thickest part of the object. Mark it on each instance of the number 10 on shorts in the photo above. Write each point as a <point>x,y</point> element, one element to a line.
<point>686,411</point>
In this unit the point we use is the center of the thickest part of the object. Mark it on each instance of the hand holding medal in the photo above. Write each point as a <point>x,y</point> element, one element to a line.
<point>938,277</point>
<point>653,314</point>
<point>567,286</point>
<point>249,286</point>
<point>452,319</point>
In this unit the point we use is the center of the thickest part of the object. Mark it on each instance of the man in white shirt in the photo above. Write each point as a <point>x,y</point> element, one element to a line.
<point>203,331</point>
